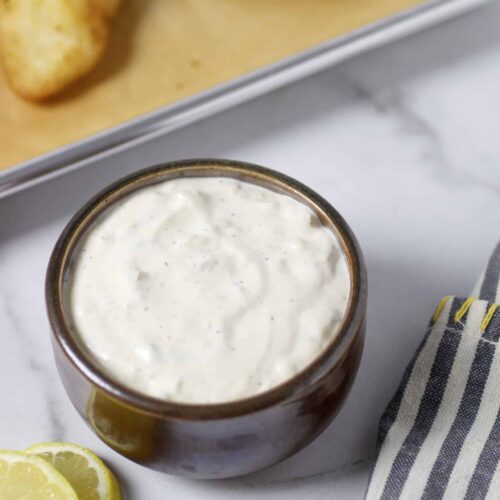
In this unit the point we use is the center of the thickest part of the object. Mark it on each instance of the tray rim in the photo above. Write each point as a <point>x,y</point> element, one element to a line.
<point>173,116</point>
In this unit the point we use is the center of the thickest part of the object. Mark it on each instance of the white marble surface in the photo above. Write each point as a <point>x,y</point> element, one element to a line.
<point>404,141</point>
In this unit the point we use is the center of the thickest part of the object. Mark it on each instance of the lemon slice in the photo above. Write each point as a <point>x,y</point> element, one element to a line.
<point>84,470</point>
<point>31,478</point>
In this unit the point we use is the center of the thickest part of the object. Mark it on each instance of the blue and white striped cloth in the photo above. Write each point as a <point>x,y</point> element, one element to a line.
<point>440,435</point>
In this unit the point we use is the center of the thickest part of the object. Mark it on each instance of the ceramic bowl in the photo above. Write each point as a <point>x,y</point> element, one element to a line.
<point>209,440</point>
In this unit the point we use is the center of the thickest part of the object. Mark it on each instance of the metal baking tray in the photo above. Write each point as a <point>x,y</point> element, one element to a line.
<point>178,114</point>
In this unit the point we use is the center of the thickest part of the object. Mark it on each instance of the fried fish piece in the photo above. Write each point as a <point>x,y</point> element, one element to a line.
<point>107,7</point>
<point>48,44</point>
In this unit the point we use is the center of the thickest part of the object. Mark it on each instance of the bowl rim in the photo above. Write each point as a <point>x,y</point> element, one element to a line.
<point>335,350</point>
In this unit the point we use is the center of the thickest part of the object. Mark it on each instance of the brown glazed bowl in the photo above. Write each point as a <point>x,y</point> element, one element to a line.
<point>214,440</point>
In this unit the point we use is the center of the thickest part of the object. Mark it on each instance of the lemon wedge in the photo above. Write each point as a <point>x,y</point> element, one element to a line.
<point>83,469</point>
<point>31,478</point>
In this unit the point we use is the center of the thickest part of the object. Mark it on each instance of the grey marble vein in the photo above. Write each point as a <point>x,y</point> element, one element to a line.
<point>44,377</point>
<point>394,105</point>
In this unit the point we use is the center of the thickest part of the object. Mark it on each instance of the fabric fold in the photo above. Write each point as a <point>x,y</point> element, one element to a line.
<point>440,434</point>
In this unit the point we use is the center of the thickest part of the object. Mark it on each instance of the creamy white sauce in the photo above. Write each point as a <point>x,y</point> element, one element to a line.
<point>206,290</point>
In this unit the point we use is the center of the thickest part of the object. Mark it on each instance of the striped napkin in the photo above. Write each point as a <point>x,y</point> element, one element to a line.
<point>440,435</point>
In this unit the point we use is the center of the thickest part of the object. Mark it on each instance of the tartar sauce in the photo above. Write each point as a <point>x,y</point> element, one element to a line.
<point>206,290</point>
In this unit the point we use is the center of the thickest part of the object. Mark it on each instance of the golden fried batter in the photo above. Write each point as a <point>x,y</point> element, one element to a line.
<point>47,44</point>
<point>107,7</point>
